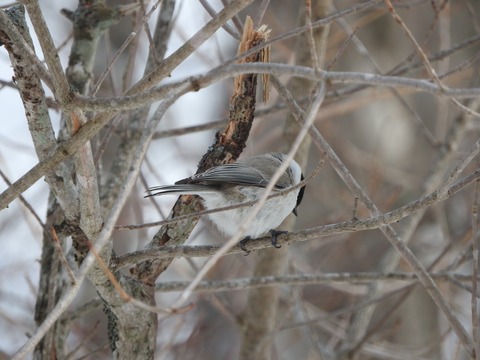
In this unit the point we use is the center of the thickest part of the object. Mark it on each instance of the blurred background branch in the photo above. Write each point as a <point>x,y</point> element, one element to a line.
<point>113,97</point>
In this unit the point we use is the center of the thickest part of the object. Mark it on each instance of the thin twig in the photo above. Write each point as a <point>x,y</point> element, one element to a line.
<point>118,288</point>
<point>475,264</point>
<point>61,86</point>
<point>364,52</point>
<point>262,8</point>
<point>9,28</point>
<point>222,72</point>
<point>211,11</point>
<point>361,278</point>
<point>120,51</point>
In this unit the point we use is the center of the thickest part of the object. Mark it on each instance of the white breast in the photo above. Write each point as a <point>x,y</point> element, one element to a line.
<point>269,217</point>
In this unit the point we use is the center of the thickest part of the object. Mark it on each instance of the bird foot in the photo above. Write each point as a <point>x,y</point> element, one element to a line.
<point>274,234</point>
<point>242,245</point>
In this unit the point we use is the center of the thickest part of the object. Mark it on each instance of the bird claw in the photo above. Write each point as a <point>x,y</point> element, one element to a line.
<point>242,245</point>
<point>274,234</point>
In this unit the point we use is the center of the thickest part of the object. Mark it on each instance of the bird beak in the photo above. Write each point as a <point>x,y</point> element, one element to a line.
<point>295,211</point>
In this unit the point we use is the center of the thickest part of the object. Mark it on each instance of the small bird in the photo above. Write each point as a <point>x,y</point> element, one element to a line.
<point>239,182</point>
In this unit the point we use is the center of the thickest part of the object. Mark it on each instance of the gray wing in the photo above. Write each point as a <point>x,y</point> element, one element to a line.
<point>268,164</point>
<point>182,189</point>
<point>235,174</point>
